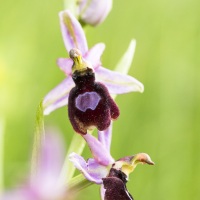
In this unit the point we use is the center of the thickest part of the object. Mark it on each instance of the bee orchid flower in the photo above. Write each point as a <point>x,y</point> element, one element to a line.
<point>104,170</point>
<point>90,103</point>
<point>74,37</point>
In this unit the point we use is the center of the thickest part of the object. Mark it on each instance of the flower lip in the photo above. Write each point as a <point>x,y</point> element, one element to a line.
<point>104,109</point>
<point>90,104</point>
<point>115,186</point>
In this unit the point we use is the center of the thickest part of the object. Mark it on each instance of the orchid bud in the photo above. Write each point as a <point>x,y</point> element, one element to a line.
<point>94,12</point>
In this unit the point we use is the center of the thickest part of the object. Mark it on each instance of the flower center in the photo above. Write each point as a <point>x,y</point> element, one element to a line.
<point>79,64</point>
<point>88,100</point>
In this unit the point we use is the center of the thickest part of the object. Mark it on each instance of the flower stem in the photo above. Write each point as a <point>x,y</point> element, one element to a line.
<point>70,5</point>
<point>39,136</point>
<point>1,154</point>
<point>77,145</point>
<point>78,183</point>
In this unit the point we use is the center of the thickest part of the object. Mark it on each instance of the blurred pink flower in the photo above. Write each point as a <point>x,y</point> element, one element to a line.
<point>44,184</point>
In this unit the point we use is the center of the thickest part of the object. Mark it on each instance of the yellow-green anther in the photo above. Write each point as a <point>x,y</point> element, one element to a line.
<point>79,64</point>
<point>128,164</point>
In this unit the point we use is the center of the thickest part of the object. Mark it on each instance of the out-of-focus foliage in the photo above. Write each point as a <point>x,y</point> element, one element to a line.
<point>163,121</point>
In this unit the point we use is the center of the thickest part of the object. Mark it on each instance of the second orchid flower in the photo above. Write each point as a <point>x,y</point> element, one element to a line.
<point>104,170</point>
<point>115,82</point>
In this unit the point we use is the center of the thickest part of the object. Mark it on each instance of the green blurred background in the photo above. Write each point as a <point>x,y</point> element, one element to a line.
<point>163,121</point>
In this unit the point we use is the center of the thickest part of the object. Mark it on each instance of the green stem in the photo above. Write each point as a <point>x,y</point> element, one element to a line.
<point>39,137</point>
<point>71,5</point>
<point>78,183</point>
<point>77,145</point>
<point>1,154</point>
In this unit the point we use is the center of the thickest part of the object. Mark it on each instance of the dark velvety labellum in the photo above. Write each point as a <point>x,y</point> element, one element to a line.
<point>115,186</point>
<point>90,103</point>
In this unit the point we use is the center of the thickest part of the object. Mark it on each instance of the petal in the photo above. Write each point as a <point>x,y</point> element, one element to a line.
<point>58,97</point>
<point>105,137</point>
<point>129,163</point>
<point>97,170</point>
<point>94,55</point>
<point>99,152</point>
<point>92,170</point>
<point>72,32</point>
<point>118,83</point>
<point>65,64</point>
<point>124,64</point>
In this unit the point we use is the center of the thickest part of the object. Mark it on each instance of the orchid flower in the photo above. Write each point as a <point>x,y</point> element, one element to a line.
<point>44,184</point>
<point>74,37</point>
<point>103,169</point>
<point>90,104</point>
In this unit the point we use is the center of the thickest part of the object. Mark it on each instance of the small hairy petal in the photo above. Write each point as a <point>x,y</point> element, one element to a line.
<point>57,97</point>
<point>65,64</point>
<point>128,164</point>
<point>72,32</point>
<point>118,83</point>
<point>94,55</point>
